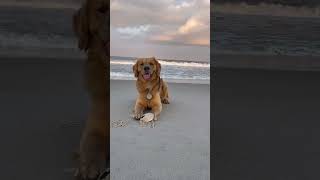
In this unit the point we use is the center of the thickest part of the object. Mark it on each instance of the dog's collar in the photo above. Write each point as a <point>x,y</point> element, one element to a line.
<point>149,95</point>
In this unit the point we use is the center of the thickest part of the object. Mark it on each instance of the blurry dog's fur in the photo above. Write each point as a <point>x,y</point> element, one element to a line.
<point>91,26</point>
<point>147,71</point>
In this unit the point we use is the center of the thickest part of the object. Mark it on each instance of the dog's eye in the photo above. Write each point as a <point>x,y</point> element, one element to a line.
<point>141,64</point>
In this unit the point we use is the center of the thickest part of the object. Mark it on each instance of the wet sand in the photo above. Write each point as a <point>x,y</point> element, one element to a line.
<point>265,62</point>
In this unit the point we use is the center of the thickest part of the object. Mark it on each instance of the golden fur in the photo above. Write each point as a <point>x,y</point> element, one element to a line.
<point>91,27</point>
<point>154,85</point>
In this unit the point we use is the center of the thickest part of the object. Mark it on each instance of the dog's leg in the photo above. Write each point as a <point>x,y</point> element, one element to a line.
<point>164,94</point>
<point>165,100</point>
<point>93,147</point>
<point>138,110</point>
<point>156,111</point>
<point>152,124</point>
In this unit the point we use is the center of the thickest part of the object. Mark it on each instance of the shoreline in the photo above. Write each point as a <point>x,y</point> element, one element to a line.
<point>219,60</point>
<point>31,59</point>
<point>173,81</point>
<point>161,59</point>
<point>266,62</point>
<point>266,10</point>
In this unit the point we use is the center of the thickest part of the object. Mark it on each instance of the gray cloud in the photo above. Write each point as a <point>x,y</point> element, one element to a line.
<point>185,22</point>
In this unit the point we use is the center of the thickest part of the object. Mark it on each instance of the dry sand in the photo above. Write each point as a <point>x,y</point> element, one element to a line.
<point>43,107</point>
<point>266,124</point>
<point>179,145</point>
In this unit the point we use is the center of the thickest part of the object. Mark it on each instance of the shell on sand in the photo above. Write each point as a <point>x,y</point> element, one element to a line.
<point>147,117</point>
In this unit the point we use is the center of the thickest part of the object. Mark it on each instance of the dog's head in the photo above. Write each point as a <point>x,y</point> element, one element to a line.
<point>91,24</point>
<point>147,68</point>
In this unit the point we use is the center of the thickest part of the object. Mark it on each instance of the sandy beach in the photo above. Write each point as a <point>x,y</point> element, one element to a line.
<point>44,106</point>
<point>266,124</point>
<point>43,109</point>
<point>262,121</point>
<point>179,145</point>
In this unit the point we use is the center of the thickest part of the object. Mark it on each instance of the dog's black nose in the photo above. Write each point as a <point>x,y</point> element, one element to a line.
<point>147,68</point>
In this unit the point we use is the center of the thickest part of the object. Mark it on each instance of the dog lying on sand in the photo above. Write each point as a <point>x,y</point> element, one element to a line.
<point>91,27</point>
<point>152,90</point>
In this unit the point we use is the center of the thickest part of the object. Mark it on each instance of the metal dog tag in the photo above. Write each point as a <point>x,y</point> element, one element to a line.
<point>149,96</point>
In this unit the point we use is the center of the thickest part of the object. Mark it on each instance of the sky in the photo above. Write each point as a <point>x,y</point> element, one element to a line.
<point>166,29</point>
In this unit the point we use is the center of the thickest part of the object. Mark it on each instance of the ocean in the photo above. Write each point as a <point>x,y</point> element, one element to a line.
<point>28,29</point>
<point>262,34</point>
<point>36,28</point>
<point>171,70</point>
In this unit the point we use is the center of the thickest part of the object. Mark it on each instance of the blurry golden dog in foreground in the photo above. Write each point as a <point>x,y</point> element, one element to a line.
<point>152,90</point>
<point>91,26</point>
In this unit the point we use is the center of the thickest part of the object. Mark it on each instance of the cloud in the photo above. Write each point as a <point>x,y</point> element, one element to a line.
<point>192,25</point>
<point>185,22</point>
<point>132,31</point>
<point>182,4</point>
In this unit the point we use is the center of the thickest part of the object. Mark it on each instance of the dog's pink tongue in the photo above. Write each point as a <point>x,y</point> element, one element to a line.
<point>146,76</point>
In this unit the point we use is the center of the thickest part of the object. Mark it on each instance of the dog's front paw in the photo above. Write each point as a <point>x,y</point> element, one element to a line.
<point>165,101</point>
<point>92,158</point>
<point>89,167</point>
<point>87,171</point>
<point>138,115</point>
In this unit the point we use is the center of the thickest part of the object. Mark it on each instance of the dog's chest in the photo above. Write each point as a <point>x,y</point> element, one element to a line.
<point>149,87</point>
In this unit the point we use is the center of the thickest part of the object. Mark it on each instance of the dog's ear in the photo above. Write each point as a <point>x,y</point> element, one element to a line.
<point>135,69</point>
<point>158,66</point>
<point>81,27</point>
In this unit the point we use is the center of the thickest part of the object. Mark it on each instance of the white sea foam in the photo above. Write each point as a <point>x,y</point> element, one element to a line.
<point>129,76</point>
<point>173,71</point>
<point>165,63</point>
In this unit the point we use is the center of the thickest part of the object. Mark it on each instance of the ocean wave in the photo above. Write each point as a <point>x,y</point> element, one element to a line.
<point>266,34</point>
<point>165,63</point>
<point>123,76</point>
<point>129,76</point>
<point>31,40</point>
<point>268,9</point>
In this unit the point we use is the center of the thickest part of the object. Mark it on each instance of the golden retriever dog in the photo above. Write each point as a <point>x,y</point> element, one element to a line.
<point>152,90</point>
<point>91,27</point>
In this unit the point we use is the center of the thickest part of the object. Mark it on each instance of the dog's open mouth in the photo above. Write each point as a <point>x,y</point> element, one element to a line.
<point>147,76</point>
